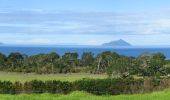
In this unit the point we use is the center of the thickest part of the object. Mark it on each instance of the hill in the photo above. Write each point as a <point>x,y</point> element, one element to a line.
<point>117,43</point>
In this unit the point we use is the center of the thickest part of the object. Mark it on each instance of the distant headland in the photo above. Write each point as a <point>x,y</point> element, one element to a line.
<point>119,42</point>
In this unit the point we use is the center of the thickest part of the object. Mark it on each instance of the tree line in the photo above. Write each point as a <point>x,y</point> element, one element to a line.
<point>111,63</point>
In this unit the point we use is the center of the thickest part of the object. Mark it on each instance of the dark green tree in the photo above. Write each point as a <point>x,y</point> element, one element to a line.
<point>105,59</point>
<point>2,60</point>
<point>87,58</point>
<point>15,60</point>
<point>120,67</point>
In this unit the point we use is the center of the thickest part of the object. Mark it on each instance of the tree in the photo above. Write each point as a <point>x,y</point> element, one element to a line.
<point>105,59</point>
<point>60,65</point>
<point>120,67</point>
<point>52,57</point>
<point>15,60</point>
<point>157,65</point>
<point>70,56</point>
<point>70,60</point>
<point>151,64</point>
<point>2,60</point>
<point>87,58</point>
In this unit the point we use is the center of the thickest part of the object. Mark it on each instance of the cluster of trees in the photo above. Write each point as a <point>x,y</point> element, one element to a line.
<point>147,64</point>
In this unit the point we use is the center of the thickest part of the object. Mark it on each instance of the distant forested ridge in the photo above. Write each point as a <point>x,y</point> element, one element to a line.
<point>111,63</point>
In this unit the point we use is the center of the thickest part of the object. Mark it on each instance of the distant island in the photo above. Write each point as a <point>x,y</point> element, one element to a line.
<point>117,43</point>
<point>1,43</point>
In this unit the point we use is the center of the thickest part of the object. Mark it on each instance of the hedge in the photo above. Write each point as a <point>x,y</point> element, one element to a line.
<point>109,86</point>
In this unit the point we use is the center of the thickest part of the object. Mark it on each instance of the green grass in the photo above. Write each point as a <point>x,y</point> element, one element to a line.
<point>164,95</point>
<point>31,76</point>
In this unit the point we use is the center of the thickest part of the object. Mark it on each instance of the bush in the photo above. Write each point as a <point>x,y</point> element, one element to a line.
<point>38,86</point>
<point>6,87</point>
<point>52,86</point>
<point>27,87</point>
<point>107,86</point>
<point>66,87</point>
<point>17,87</point>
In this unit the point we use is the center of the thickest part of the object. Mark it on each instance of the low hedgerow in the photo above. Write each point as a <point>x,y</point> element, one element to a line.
<point>109,86</point>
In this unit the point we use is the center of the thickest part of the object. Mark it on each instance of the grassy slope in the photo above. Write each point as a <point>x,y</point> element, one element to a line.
<point>164,95</point>
<point>28,77</point>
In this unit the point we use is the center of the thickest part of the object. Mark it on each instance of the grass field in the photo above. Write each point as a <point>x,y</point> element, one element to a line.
<point>31,76</point>
<point>164,95</point>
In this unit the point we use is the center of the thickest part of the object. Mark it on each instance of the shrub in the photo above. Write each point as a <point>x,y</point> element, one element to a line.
<point>17,87</point>
<point>107,86</point>
<point>27,88</point>
<point>6,87</point>
<point>53,86</point>
<point>38,86</point>
<point>66,87</point>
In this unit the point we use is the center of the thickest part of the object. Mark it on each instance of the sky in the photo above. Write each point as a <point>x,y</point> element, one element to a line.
<point>84,22</point>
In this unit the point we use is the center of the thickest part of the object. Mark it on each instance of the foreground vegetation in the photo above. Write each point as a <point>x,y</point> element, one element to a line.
<point>164,95</point>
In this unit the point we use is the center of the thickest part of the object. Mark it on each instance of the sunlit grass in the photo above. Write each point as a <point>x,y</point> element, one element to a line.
<point>77,95</point>
<point>11,76</point>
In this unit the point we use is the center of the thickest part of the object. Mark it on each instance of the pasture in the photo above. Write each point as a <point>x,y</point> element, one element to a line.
<point>21,77</point>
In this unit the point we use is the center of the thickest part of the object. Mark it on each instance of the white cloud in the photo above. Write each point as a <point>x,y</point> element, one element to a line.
<point>57,27</point>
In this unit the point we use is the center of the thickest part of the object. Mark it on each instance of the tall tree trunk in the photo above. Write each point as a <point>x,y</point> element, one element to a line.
<point>98,65</point>
<point>52,66</point>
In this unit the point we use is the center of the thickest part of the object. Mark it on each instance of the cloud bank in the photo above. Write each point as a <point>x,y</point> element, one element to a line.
<point>36,26</point>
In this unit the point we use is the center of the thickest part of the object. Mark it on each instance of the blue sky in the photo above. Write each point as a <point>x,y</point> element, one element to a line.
<point>87,22</point>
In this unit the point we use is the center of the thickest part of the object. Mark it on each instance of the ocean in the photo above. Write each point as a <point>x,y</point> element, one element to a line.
<point>128,51</point>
